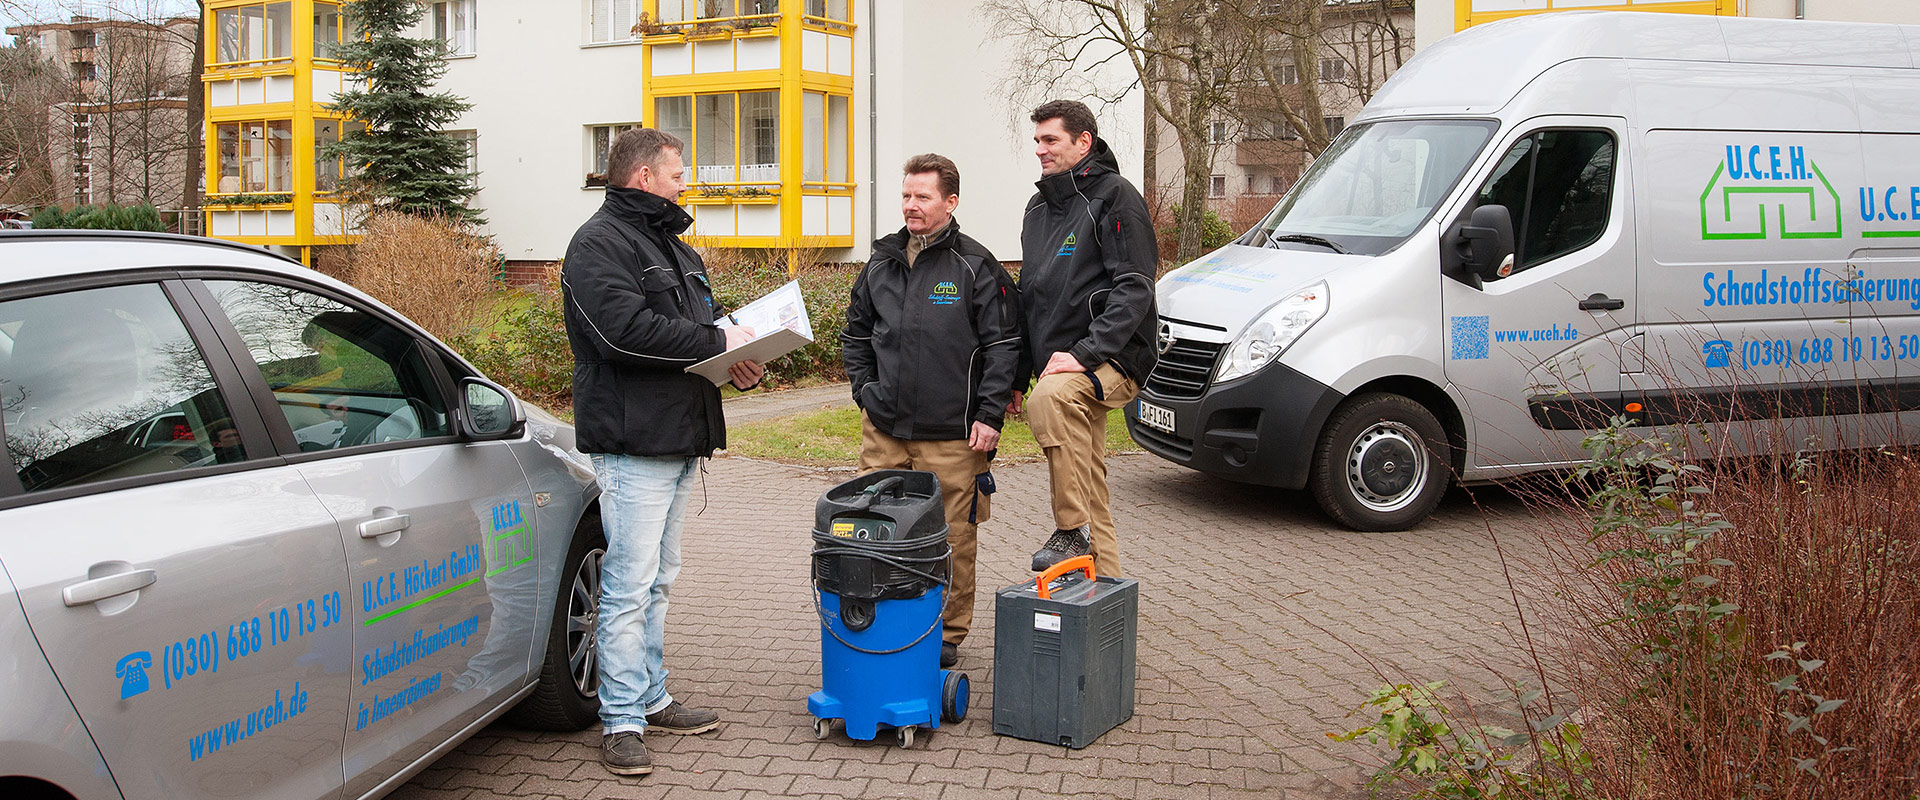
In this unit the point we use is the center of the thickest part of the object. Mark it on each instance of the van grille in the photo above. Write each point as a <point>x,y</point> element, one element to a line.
<point>1184,369</point>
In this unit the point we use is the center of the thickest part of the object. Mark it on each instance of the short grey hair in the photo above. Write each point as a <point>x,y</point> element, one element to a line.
<point>638,147</point>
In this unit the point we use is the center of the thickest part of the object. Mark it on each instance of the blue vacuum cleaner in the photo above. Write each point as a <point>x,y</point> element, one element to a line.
<point>880,569</point>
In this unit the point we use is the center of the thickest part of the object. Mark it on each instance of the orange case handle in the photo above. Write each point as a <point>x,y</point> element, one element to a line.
<point>1082,563</point>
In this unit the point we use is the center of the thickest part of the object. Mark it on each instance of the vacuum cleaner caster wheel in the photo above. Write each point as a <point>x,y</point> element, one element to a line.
<point>903,736</point>
<point>822,727</point>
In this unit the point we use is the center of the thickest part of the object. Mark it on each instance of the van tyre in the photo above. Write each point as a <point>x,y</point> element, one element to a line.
<point>568,697</point>
<point>1382,463</point>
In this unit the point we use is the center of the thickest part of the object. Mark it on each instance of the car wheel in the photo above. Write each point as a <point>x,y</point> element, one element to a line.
<point>568,695</point>
<point>1382,463</point>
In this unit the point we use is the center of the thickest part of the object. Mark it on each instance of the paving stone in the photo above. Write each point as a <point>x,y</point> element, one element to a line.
<point>1262,626</point>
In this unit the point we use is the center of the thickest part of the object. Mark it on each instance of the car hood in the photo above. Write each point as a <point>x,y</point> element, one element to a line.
<point>1229,287</point>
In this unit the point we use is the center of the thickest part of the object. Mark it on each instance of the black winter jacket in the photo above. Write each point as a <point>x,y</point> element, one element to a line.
<point>639,311</point>
<point>931,349</point>
<point>1086,282</point>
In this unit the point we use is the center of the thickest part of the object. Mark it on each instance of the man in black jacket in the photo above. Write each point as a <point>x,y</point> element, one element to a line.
<point>1086,286</point>
<point>931,345</point>
<point>639,311</point>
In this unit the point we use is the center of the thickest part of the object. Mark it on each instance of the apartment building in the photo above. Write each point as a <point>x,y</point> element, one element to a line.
<point>269,78</point>
<point>797,113</point>
<point>115,104</point>
<point>1256,151</point>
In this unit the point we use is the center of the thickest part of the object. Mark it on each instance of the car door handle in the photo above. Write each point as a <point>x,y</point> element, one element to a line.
<point>1601,302</point>
<point>381,526</point>
<point>98,589</point>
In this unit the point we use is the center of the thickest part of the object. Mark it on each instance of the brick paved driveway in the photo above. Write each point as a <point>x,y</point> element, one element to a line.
<point>1252,606</point>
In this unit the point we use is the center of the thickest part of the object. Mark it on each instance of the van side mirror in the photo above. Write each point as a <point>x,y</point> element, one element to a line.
<point>488,412</point>
<point>1481,246</point>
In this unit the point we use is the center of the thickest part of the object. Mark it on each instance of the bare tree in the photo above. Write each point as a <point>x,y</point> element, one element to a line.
<point>1189,66</point>
<point>28,90</point>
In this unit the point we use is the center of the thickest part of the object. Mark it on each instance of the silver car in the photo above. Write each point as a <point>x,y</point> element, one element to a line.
<point>260,536</point>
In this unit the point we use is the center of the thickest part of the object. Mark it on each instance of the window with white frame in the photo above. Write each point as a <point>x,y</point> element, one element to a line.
<point>599,143</point>
<point>1216,133</point>
<point>470,144</point>
<point>613,20</point>
<point>253,32</point>
<point>1217,186</point>
<point>1287,73</point>
<point>1334,126</point>
<point>1283,130</point>
<point>453,25</point>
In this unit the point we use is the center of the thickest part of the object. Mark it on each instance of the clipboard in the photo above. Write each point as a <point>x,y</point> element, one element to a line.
<point>780,322</point>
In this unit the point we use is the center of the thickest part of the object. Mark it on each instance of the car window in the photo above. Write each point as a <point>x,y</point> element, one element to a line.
<point>1558,185</point>
<point>105,383</point>
<point>343,377</point>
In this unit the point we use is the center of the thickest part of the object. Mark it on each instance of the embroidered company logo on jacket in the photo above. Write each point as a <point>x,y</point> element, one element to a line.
<point>1068,245</point>
<point>945,293</point>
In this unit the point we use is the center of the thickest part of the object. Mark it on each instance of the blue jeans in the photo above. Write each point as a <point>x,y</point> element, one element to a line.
<point>643,502</point>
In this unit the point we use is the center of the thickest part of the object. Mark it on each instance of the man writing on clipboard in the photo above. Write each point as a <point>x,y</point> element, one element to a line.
<point>639,311</point>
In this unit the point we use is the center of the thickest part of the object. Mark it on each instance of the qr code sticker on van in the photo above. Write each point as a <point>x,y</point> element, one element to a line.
<point>1469,338</point>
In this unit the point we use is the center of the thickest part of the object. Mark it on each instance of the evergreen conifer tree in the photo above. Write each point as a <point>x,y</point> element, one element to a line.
<point>405,161</point>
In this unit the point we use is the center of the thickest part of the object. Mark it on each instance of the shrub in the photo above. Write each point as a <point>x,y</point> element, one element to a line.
<point>526,348</point>
<point>432,270</point>
<point>109,217</point>
<point>1741,629</point>
<point>740,276</point>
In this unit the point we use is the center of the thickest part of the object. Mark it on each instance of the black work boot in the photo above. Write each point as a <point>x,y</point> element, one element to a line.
<point>949,654</point>
<point>624,754</point>
<point>682,720</point>
<point>1062,546</point>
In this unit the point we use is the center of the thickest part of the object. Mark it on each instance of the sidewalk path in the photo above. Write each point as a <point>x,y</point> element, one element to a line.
<point>762,406</point>
<point>1261,627</point>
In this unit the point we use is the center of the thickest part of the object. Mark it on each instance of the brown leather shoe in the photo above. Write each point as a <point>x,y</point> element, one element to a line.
<point>624,754</point>
<point>682,720</point>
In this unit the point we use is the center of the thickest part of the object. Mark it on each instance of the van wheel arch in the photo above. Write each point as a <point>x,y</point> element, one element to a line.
<point>1437,403</point>
<point>24,788</point>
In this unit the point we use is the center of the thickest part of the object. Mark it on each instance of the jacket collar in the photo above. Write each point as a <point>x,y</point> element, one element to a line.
<point>894,245</point>
<point>1060,186</point>
<point>647,210</point>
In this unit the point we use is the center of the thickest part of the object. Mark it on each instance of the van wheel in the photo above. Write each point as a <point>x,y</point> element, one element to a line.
<point>568,696</point>
<point>1381,464</point>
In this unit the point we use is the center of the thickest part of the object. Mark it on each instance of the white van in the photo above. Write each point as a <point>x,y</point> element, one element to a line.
<point>1540,223</point>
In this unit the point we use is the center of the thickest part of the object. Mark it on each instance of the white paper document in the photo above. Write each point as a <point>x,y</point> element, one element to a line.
<point>780,326</point>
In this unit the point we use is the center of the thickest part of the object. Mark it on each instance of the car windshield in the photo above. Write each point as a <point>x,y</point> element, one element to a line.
<point>1375,185</point>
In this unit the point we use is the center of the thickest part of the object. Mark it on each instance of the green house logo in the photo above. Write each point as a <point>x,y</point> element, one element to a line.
<point>1768,192</point>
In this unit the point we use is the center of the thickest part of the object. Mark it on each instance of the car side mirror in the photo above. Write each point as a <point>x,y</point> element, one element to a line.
<point>1481,247</point>
<point>488,412</point>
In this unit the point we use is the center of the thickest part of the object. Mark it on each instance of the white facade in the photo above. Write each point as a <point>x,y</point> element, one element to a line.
<point>927,78</point>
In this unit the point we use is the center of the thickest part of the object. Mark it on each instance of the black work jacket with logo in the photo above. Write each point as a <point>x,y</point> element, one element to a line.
<point>639,311</point>
<point>1086,278</point>
<point>932,348</point>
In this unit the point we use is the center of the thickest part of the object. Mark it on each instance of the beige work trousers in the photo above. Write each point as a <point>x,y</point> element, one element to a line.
<point>956,465</point>
<point>1069,420</point>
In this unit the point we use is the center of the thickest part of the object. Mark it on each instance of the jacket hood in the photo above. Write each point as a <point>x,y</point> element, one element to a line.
<point>1061,185</point>
<point>647,209</point>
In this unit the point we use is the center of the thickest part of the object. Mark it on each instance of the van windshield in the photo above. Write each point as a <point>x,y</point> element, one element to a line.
<point>1374,185</point>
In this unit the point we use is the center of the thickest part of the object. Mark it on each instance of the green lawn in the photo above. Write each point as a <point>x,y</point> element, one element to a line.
<point>832,438</point>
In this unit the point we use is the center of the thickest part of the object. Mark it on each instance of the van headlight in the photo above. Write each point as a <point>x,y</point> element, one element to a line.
<point>1271,333</point>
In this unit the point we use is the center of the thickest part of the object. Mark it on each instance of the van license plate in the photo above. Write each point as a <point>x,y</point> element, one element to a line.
<point>1156,417</point>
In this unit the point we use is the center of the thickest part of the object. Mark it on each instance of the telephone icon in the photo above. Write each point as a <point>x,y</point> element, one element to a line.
<point>1718,353</point>
<point>132,672</point>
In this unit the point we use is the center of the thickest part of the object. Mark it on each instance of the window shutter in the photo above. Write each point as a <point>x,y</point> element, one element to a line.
<point>600,20</point>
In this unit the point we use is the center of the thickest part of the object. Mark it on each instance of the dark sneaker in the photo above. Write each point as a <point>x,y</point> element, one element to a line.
<point>624,754</point>
<point>1062,546</point>
<point>949,654</point>
<point>682,720</point>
